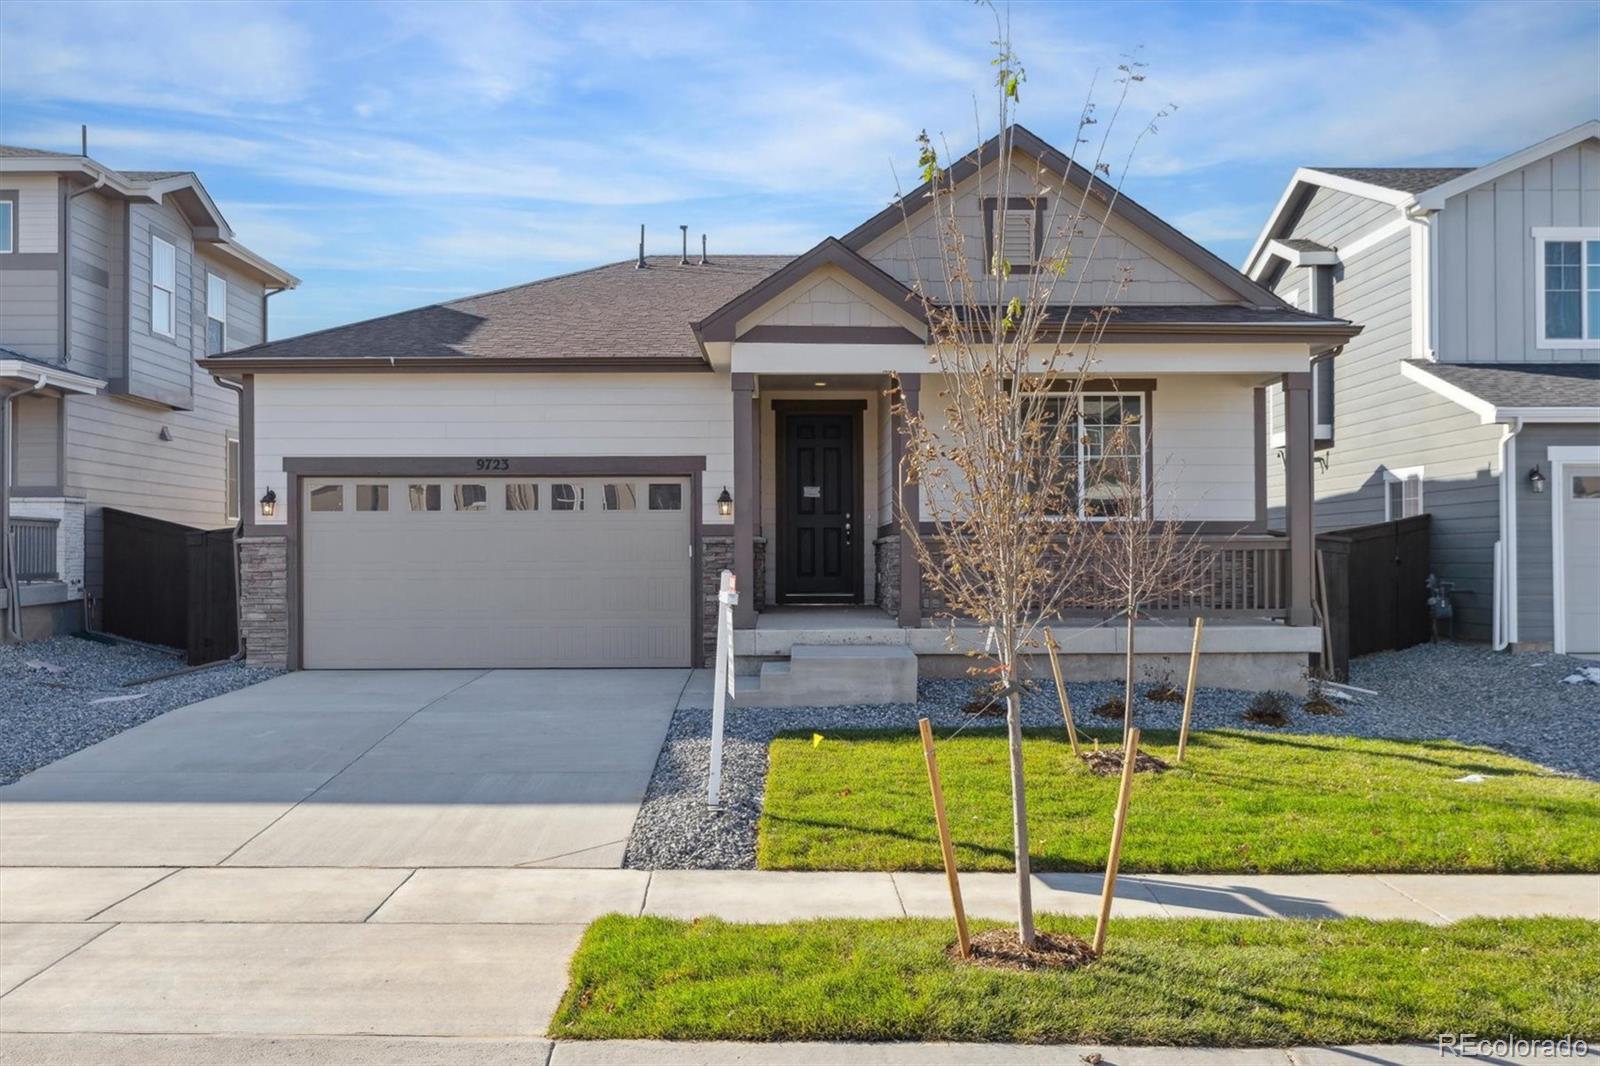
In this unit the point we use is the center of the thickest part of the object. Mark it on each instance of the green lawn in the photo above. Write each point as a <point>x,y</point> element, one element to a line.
<point>1162,981</point>
<point>1243,802</point>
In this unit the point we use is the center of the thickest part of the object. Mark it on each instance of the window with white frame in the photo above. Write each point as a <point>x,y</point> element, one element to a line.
<point>1402,493</point>
<point>1109,466</point>
<point>216,314</point>
<point>8,224</point>
<point>163,286</point>
<point>231,477</point>
<point>1568,306</point>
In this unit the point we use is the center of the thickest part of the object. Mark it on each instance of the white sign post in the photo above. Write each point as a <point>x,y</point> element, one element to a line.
<point>721,682</point>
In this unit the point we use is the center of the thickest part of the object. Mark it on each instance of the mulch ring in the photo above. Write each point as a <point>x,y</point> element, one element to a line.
<point>1111,708</point>
<point>985,708</point>
<point>1000,949</point>
<point>1320,704</point>
<point>1107,762</point>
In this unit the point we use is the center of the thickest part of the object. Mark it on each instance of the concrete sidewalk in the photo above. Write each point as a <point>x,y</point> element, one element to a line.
<point>473,896</point>
<point>181,1050</point>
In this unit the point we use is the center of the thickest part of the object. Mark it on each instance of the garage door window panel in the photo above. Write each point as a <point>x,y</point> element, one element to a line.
<point>619,496</point>
<point>522,496</point>
<point>668,497</point>
<point>327,498</point>
<point>472,497</point>
<point>566,497</point>
<point>425,497</point>
<point>372,497</point>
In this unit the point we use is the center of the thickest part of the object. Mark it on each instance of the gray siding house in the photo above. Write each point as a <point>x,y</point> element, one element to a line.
<point>112,285</point>
<point>1473,390</point>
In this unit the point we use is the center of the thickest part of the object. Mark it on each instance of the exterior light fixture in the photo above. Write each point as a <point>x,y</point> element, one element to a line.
<point>1536,480</point>
<point>725,503</point>
<point>820,384</point>
<point>269,504</point>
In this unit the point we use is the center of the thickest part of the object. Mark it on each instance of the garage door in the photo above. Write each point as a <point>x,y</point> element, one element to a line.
<point>485,572</point>
<point>1580,520</point>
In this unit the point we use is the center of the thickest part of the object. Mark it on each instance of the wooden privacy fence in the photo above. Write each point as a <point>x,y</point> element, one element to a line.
<point>1372,586</point>
<point>170,584</point>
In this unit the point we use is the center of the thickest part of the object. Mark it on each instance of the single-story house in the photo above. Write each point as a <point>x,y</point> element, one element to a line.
<point>554,474</point>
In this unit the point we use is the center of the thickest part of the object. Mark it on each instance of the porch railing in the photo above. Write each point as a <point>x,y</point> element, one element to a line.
<point>1244,575</point>
<point>35,540</point>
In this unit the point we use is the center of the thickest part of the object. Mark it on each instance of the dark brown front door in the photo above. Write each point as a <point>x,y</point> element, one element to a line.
<point>817,549</point>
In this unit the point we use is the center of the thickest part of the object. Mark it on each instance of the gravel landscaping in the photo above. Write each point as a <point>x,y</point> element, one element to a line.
<point>61,695</point>
<point>1518,704</point>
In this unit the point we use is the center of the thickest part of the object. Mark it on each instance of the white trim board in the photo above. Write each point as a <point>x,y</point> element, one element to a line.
<point>1559,457</point>
<point>1582,236</point>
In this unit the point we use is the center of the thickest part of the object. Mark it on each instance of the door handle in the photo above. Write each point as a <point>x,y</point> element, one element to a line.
<point>847,525</point>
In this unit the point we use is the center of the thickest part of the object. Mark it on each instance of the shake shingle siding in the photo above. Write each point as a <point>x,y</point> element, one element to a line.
<point>1383,421</point>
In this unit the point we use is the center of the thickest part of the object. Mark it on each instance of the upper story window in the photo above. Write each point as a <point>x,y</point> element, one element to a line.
<point>163,286</point>
<point>216,314</point>
<point>8,225</point>
<point>1014,236</point>
<point>1568,266</point>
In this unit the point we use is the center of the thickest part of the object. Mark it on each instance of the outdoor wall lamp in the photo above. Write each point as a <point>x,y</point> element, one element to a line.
<point>269,504</point>
<point>725,503</point>
<point>1535,479</point>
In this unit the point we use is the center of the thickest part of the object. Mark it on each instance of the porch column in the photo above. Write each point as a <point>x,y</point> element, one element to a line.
<point>745,501</point>
<point>909,518</point>
<point>1298,495</point>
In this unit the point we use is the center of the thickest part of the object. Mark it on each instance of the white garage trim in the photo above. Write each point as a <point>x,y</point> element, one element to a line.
<point>1559,457</point>
<point>484,467</point>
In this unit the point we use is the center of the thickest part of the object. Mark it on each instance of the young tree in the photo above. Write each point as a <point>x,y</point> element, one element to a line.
<point>1140,560</point>
<point>996,452</point>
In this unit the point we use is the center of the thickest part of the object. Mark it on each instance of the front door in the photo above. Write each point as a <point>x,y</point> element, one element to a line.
<point>818,557</point>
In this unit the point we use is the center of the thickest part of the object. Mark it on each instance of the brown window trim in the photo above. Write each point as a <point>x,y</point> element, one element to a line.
<point>1014,203</point>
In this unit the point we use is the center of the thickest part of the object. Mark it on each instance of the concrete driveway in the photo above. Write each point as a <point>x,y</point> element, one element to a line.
<point>365,769</point>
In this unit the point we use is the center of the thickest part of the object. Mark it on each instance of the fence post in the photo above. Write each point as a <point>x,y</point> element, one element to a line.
<point>721,682</point>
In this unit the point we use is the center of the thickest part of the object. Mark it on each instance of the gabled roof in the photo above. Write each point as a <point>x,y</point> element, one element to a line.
<point>612,317</point>
<point>1074,173</point>
<point>1397,179</point>
<point>721,324</point>
<point>152,186</point>
<point>1405,188</point>
<point>1499,392</point>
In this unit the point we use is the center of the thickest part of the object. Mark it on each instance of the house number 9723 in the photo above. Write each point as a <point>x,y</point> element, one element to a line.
<point>494,464</point>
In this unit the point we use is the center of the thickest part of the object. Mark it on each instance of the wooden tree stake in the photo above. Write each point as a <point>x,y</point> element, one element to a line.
<point>1061,691</point>
<point>1188,690</point>
<point>945,847</point>
<point>1118,827</point>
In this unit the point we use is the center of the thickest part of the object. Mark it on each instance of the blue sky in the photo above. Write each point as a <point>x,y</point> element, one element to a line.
<point>392,155</point>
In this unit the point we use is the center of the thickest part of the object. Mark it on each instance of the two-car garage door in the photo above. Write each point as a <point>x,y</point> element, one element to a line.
<point>401,572</point>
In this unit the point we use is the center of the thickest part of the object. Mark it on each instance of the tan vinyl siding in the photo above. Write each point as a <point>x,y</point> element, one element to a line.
<point>1154,274</point>
<point>1384,421</point>
<point>37,436</point>
<point>1487,257</point>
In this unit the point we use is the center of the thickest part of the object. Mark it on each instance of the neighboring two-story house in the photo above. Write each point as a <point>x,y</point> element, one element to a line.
<point>112,285</point>
<point>1473,391</point>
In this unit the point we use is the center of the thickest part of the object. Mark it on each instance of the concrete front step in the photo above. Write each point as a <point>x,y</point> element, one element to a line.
<point>826,675</point>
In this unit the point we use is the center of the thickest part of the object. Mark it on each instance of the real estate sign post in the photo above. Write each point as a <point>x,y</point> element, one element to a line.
<point>721,682</point>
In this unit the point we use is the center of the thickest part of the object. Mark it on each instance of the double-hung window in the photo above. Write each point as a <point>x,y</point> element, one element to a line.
<point>1568,265</point>
<point>163,286</point>
<point>1402,492</point>
<point>216,314</point>
<point>1108,463</point>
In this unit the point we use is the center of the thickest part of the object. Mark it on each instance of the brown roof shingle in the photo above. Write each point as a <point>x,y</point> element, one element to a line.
<point>611,312</point>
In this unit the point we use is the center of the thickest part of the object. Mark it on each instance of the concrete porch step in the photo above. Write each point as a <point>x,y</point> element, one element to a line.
<point>831,675</point>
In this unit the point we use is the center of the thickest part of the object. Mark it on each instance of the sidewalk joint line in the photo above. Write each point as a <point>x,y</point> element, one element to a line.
<point>894,882</point>
<point>135,892</point>
<point>403,882</point>
<point>479,675</point>
<point>644,900</point>
<point>58,962</point>
<point>1403,893</point>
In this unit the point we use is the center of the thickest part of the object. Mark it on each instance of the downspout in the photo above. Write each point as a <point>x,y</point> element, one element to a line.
<point>8,559</point>
<point>66,266</point>
<point>238,529</point>
<point>1505,591</point>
